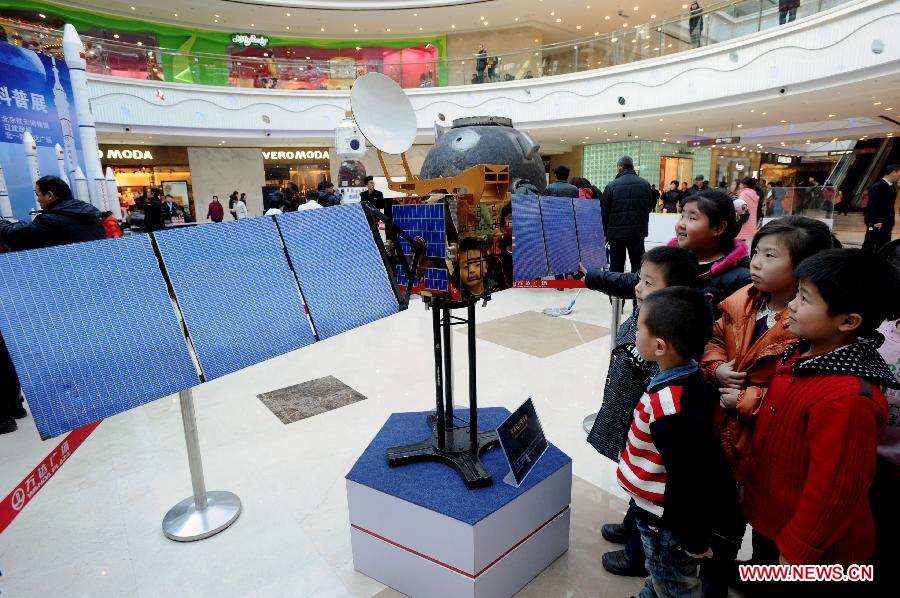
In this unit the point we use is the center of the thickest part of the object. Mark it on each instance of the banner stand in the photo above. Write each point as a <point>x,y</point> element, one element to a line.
<point>205,513</point>
<point>588,422</point>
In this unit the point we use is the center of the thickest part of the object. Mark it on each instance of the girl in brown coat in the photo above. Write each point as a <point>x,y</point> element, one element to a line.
<point>752,332</point>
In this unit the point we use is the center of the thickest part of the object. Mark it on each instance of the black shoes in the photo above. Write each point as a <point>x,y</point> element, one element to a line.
<point>618,564</point>
<point>616,533</point>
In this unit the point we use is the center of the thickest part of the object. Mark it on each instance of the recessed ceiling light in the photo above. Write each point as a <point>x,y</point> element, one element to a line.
<point>133,8</point>
<point>608,139</point>
<point>42,15</point>
<point>783,121</point>
<point>140,43</point>
<point>606,18</point>
<point>739,126</point>
<point>420,29</point>
<point>684,6</point>
<point>322,29</point>
<point>558,20</point>
<point>288,27</point>
<point>355,30</point>
<point>577,26</point>
<point>637,8</point>
<point>176,14</point>
<point>415,14</point>
<point>215,20</point>
<point>552,14</point>
<point>587,137</point>
<point>652,16</point>
<point>516,19</point>
<point>482,18</point>
<point>308,58</point>
<point>562,140</point>
<point>701,130</point>
<point>485,23</point>
<point>888,109</point>
<point>252,25</point>
<point>877,104</point>
<point>535,41</point>
<point>660,120</point>
<point>358,48</point>
<point>764,113</point>
<point>116,35</point>
<point>389,29</point>
<point>217,16</point>
<point>664,138</point>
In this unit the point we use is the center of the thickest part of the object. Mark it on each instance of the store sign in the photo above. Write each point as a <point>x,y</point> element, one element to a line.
<point>715,141</point>
<point>305,155</point>
<point>784,159</point>
<point>125,154</point>
<point>250,40</point>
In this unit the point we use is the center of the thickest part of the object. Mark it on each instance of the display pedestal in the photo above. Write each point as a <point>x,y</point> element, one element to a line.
<point>419,529</point>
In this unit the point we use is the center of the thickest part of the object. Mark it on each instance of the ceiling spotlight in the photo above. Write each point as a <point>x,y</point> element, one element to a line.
<point>652,16</point>
<point>116,35</point>
<point>739,126</point>
<point>485,23</point>
<point>420,29</point>
<point>452,26</point>
<point>877,104</point>
<point>516,19</point>
<point>764,113</point>
<point>578,27</point>
<point>217,16</point>
<point>42,15</point>
<point>133,8</point>
<point>215,20</point>
<point>831,116</point>
<point>552,14</point>
<point>140,43</point>
<point>558,20</point>
<point>888,109</point>
<point>176,14</point>
<point>355,30</point>
<point>358,48</point>
<point>388,29</point>
<point>701,130</point>
<point>606,18</point>
<point>783,121</point>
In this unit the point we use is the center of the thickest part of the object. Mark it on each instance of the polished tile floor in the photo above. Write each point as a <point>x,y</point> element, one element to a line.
<point>94,530</point>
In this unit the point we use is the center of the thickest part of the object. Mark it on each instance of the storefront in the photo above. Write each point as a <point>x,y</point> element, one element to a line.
<point>140,168</point>
<point>731,165</point>
<point>296,170</point>
<point>779,168</point>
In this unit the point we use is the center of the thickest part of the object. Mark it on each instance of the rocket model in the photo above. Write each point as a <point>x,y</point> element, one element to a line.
<point>112,193</point>
<point>65,122</point>
<point>5,206</point>
<point>81,184</point>
<point>61,163</point>
<point>31,157</point>
<point>74,53</point>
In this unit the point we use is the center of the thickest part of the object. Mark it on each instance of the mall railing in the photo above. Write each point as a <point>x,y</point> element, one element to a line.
<point>711,25</point>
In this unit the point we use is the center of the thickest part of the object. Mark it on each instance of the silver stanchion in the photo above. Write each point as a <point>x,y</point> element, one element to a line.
<point>205,513</point>
<point>588,422</point>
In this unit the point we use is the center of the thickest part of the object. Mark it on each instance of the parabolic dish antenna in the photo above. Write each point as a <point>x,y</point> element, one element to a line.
<point>383,113</point>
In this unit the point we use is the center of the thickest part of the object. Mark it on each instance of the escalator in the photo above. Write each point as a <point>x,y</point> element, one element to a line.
<point>855,172</point>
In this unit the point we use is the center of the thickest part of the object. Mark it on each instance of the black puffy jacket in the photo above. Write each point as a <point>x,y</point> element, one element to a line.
<point>721,278</point>
<point>65,221</point>
<point>626,206</point>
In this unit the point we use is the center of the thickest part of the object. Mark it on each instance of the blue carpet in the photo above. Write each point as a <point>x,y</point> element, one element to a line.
<point>439,487</point>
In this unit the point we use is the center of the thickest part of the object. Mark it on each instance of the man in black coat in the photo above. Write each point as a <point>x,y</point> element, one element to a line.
<point>63,220</point>
<point>153,213</point>
<point>561,187</point>
<point>626,206</point>
<point>879,213</point>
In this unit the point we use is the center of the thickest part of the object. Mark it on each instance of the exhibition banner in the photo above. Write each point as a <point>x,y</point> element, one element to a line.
<point>22,494</point>
<point>523,442</point>
<point>35,97</point>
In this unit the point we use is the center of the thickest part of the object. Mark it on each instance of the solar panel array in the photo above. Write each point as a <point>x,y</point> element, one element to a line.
<point>75,365</point>
<point>255,295</point>
<point>340,270</point>
<point>560,236</point>
<point>425,221</point>
<point>591,240</point>
<point>551,235</point>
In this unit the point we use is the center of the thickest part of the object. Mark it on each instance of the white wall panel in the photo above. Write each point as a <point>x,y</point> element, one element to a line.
<point>219,171</point>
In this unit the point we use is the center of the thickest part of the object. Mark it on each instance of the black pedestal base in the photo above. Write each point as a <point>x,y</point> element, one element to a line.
<point>458,453</point>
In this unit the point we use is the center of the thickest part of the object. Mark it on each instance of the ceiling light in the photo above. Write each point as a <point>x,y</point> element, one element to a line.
<point>608,139</point>
<point>388,29</point>
<point>739,126</point>
<point>578,27</point>
<point>358,48</point>
<point>701,130</point>
<point>587,137</point>
<point>287,27</point>
<point>116,35</point>
<point>614,40</point>
<point>252,25</point>
<point>753,110</point>
<point>415,14</point>
<point>452,26</point>
<point>42,15</point>
<point>877,104</point>
<point>133,8</point>
<point>660,120</point>
<point>888,109</point>
<point>558,20</point>
<point>652,16</point>
<point>831,116</point>
<point>684,6</point>
<point>783,121</point>
<point>637,8</point>
<point>596,33</point>
<point>606,18</point>
<point>552,14</point>
<point>140,43</point>
<point>535,41</point>
<point>215,20</point>
<point>420,29</point>
<point>355,30</point>
<point>308,58</point>
<point>664,138</point>
<point>562,140</point>
<point>516,19</point>
<point>808,141</point>
<point>764,113</point>
<point>176,14</point>
<point>217,16</point>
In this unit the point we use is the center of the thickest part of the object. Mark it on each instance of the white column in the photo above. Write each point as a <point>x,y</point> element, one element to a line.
<point>112,194</point>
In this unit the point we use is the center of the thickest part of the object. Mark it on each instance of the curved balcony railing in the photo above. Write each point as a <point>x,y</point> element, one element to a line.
<point>693,29</point>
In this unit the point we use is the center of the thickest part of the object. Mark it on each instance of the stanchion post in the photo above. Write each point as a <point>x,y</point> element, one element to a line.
<point>205,513</point>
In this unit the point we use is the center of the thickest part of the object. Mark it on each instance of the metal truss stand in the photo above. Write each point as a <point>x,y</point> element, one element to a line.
<point>205,513</point>
<point>459,446</point>
<point>616,315</point>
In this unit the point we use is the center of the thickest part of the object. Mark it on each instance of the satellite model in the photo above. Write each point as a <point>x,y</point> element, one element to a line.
<point>460,252</point>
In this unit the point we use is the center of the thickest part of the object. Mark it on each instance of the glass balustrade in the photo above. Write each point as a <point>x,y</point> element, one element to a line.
<point>708,26</point>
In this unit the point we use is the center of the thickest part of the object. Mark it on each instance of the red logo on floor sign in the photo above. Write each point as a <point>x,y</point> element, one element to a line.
<point>13,504</point>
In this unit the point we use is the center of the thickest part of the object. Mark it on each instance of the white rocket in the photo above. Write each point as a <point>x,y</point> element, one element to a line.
<point>112,192</point>
<point>65,122</point>
<point>5,206</point>
<point>81,184</point>
<point>31,157</point>
<point>74,53</point>
<point>61,163</point>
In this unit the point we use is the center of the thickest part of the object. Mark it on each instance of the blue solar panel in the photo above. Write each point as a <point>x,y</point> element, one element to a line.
<point>529,252</point>
<point>401,277</point>
<point>339,267</point>
<point>436,279</point>
<point>237,293</point>
<point>591,241</point>
<point>422,220</point>
<point>559,234</point>
<point>77,362</point>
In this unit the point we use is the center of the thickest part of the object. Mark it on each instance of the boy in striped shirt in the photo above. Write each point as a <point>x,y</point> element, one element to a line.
<point>672,466</point>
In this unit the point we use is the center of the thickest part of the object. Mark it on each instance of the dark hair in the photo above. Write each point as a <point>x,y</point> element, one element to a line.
<point>683,318</point>
<point>699,177</point>
<point>327,184</point>
<point>53,184</point>
<point>504,212</point>
<point>802,236</point>
<point>891,253</point>
<point>276,201</point>
<point>718,207</point>
<point>891,168</point>
<point>580,182</point>
<point>369,179</point>
<point>215,197</point>
<point>845,279</point>
<point>675,182</point>
<point>680,267</point>
<point>105,215</point>
<point>468,243</point>
<point>561,172</point>
<point>749,182</point>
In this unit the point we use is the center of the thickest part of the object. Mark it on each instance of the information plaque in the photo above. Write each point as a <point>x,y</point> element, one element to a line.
<point>523,442</point>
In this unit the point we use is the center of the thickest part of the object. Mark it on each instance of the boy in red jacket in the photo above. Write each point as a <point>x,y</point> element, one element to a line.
<point>812,458</point>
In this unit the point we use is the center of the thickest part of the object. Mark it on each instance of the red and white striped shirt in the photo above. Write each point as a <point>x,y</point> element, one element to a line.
<point>641,470</point>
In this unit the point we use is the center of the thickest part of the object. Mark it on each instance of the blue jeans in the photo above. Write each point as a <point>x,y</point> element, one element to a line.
<point>634,546</point>
<point>673,574</point>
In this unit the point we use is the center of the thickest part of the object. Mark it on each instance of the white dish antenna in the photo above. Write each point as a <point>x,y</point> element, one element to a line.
<point>383,113</point>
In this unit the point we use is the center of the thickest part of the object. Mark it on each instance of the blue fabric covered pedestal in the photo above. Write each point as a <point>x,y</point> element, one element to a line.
<point>419,530</point>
